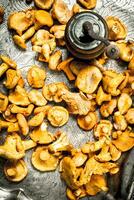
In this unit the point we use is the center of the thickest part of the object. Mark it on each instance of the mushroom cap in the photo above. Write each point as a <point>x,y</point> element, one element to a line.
<point>130,116</point>
<point>87,122</point>
<point>19,97</point>
<point>36,77</point>
<point>15,171</point>
<point>51,91</point>
<point>89,4</point>
<point>43,18</point>
<point>42,160</point>
<point>104,128</point>
<point>12,78</point>
<point>41,135</point>
<point>117,30</point>
<point>3,102</point>
<point>58,116</point>
<point>37,98</point>
<point>44,4</point>
<point>8,61</point>
<point>21,21</point>
<point>88,79</point>
<point>36,120</point>
<point>19,41</point>
<point>124,142</point>
<point>124,103</point>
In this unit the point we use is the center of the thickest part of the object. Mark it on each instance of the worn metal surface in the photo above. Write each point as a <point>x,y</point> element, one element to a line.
<point>48,186</point>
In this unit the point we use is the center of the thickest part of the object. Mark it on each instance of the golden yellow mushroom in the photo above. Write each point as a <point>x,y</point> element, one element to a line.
<point>15,171</point>
<point>43,161</point>
<point>44,4</point>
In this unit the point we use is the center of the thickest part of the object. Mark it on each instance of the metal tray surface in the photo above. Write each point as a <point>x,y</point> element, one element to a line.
<point>48,186</point>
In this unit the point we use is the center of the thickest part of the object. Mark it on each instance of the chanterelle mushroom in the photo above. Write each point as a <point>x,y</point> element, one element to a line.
<point>61,144</point>
<point>19,97</point>
<point>36,77</point>
<point>119,121</point>
<point>52,91</point>
<point>87,122</point>
<point>44,4</point>
<point>117,30</point>
<point>124,103</point>
<point>97,183</point>
<point>94,167</point>
<point>42,18</point>
<point>3,102</point>
<point>107,108</point>
<point>58,116</point>
<point>104,128</point>
<point>13,148</point>
<point>78,157</point>
<point>3,68</point>
<point>89,4</point>
<point>12,78</point>
<point>111,82</point>
<point>125,141</point>
<point>88,79</point>
<point>26,111</point>
<point>41,135</point>
<point>15,171</point>
<point>21,21</point>
<point>42,160</point>
<point>61,11</point>
<point>8,61</point>
<point>37,98</point>
<point>77,103</point>
<point>36,120</point>
<point>102,96</point>
<point>130,116</point>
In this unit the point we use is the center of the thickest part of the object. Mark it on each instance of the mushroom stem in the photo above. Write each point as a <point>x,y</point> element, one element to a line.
<point>29,33</point>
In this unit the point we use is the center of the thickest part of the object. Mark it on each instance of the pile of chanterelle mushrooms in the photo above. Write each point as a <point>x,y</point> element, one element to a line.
<point>100,91</point>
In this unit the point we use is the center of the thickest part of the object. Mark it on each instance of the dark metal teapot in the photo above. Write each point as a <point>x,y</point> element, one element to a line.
<point>86,36</point>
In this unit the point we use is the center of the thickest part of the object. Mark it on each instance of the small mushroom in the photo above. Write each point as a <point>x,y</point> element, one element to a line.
<point>125,81</point>
<point>58,31</point>
<point>61,144</point>
<point>3,102</point>
<point>8,116</point>
<point>120,123</point>
<point>36,120</point>
<point>78,158</point>
<point>44,4</point>
<point>108,108</point>
<point>40,37</point>
<point>94,167</point>
<point>117,30</point>
<point>97,183</point>
<point>54,60</point>
<point>43,109</point>
<point>130,116</point>
<point>13,127</point>
<point>58,116</point>
<point>12,78</point>
<point>26,111</point>
<point>36,77</point>
<point>124,103</point>
<point>23,124</point>
<point>111,82</point>
<point>12,148</point>
<point>15,171</point>
<point>42,18</point>
<point>126,52</point>
<point>37,98</point>
<point>115,153</point>
<point>76,66</point>
<point>88,79</point>
<point>3,68</point>
<point>87,122</point>
<point>124,142</point>
<point>102,96</point>
<point>77,103</point>
<point>89,4</point>
<point>52,91</point>
<point>21,21</point>
<point>70,173</point>
<point>104,155</point>
<point>19,97</point>
<point>65,66</point>
<point>8,61</point>
<point>41,135</point>
<point>43,161</point>
<point>104,128</point>
<point>61,11</point>
<point>21,40</point>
